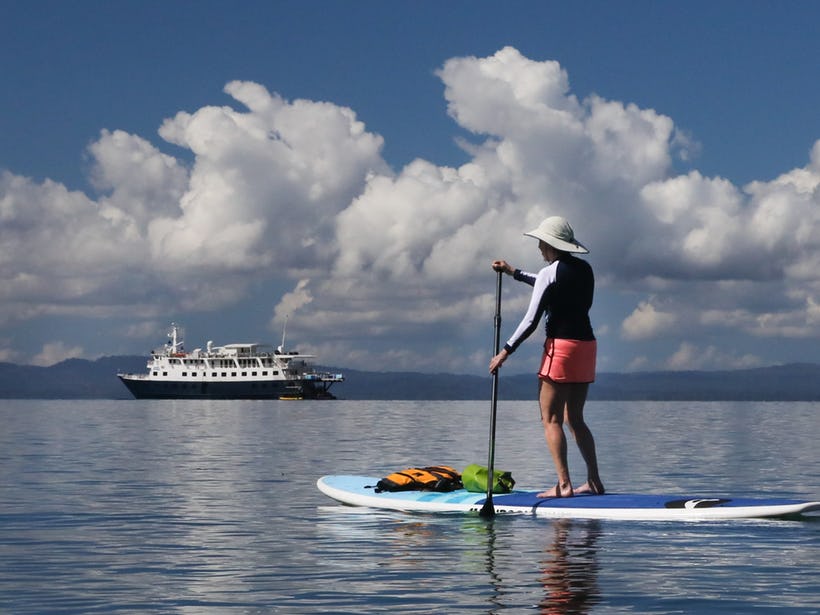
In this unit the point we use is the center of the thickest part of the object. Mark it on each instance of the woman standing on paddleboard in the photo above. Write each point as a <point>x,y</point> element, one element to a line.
<point>563,291</point>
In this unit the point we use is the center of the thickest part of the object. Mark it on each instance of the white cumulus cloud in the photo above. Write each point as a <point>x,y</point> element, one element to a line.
<point>647,321</point>
<point>690,356</point>
<point>391,266</point>
<point>54,352</point>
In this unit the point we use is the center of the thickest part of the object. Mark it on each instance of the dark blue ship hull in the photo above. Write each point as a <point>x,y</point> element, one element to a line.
<point>282,389</point>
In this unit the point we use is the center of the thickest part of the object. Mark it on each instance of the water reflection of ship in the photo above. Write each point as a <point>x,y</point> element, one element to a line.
<point>570,568</point>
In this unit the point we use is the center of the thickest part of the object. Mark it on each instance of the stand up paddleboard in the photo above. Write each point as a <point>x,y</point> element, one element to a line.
<point>360,491</point>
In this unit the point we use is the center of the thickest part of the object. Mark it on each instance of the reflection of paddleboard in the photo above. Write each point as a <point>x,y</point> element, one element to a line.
<point>360,491</point>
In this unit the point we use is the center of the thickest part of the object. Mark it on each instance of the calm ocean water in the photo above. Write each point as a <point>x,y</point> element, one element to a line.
<point>211,507</point>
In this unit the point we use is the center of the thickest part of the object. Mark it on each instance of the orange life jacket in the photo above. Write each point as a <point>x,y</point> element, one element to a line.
<point>430,478</point>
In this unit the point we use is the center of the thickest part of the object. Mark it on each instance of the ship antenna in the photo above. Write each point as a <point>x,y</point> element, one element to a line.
<point>284,329</point>
<point>176,335</point>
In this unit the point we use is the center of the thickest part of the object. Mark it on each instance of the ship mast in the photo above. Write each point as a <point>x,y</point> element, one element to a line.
<point>284,329</point>
<point>176,334</point>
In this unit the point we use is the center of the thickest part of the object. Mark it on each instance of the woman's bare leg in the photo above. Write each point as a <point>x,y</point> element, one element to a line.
<point>574,416</point>
<point>552,398</point>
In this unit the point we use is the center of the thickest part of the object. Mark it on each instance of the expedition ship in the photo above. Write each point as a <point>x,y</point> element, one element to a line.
<point>233,371</point>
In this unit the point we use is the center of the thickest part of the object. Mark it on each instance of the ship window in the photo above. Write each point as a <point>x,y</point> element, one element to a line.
<point>244,374</point>
<point>213,375</point>
<point>224,374</point>
<point>193,374</point>
<point>253,373</point>
<point>164,373</point>
<point>155,373</point>
<point>184,373</point>
<point>233,373</point>
<point>276,372</point>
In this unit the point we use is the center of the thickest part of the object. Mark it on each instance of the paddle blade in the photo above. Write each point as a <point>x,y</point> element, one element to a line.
<point>488,510</point>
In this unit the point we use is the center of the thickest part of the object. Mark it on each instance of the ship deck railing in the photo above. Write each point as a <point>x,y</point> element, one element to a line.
<point>323,376</point>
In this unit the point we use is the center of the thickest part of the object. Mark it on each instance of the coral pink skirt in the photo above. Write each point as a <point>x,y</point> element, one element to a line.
<point>568,360</point>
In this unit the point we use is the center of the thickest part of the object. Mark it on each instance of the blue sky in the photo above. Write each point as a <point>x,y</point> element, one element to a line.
<point>356,165</point>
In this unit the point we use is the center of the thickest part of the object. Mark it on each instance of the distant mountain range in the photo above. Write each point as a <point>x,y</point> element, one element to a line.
<point>82,379</point>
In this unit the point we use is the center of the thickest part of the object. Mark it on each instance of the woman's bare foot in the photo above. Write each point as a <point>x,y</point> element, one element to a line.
<point>592,487</point>
<point>556,492</point>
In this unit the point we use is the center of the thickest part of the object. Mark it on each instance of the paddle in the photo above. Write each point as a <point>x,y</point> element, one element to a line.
<point>488,510</point>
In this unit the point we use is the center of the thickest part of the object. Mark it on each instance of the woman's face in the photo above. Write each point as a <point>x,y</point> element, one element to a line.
<point>547,251</point>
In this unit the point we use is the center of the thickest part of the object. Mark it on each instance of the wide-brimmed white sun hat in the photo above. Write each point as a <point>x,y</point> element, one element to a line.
<point>557,232</point>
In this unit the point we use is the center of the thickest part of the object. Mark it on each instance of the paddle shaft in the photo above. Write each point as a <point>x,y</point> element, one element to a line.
<point>488,510</point>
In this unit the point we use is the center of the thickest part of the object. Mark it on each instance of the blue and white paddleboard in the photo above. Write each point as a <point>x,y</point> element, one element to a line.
<point>360,491</point>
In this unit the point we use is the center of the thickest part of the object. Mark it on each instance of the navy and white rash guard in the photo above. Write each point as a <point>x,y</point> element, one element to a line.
<point>563,291</point>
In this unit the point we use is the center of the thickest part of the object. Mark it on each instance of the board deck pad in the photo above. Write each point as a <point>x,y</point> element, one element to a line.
<point>360,491</point>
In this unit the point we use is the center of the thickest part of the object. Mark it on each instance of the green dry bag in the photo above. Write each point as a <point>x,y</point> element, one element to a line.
<point>474,478</point>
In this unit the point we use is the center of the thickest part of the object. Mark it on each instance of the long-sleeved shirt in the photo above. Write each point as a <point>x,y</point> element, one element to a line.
<point>562,290</point>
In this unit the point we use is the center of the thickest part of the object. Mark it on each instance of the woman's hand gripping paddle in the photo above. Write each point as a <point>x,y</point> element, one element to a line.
<point>488,510</point>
